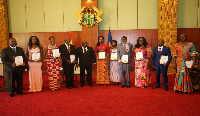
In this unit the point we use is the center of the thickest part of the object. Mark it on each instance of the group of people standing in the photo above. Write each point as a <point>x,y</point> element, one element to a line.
<point>85,57</point>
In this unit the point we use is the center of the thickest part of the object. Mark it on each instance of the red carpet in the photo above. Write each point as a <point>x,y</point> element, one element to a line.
<point>100,100</point>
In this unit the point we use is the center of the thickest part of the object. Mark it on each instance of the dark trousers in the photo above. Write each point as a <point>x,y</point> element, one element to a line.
<point>163,70</point>
<point>89,74</point>
<point>69,74</point>
<point>19,79</point>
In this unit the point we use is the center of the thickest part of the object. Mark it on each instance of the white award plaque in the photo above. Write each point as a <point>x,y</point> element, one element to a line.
<point>139,55</point>
<point>19,60</point>
<point>124,58</point>
<point>113,56</point>
<point>102,55</point>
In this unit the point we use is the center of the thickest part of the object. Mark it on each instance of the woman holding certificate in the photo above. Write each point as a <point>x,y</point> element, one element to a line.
<point>143,54</point>
<point>183,57</point>
<point>102,51</point>
<point>34,51</point>
<point>115,72</point>
<point>52,56</point>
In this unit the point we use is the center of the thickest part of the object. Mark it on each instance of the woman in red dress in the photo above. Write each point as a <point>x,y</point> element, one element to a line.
<point>53,64</point>
<point>102,64</point>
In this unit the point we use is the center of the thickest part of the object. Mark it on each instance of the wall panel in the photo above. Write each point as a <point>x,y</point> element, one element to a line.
<point>147,14</point>
<point>35,15</point>
<point>70,17</point>
<point>127,14</point>
<point>109,15</point>
<point>17,16</point>
<point>53,15</point>
<point>187,16</point>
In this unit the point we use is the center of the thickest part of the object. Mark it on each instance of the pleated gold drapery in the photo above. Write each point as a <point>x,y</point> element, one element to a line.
<point>167,25</point>
<point>4,32</point>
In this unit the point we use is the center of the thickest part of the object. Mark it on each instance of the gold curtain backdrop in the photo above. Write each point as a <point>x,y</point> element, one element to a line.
<point>4,33</point>
<point>167,25</point>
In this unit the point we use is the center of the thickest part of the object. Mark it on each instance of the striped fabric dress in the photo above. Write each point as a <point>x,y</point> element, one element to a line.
<point>115,72</point>
<point>53,66</point>
<point>102,65</point>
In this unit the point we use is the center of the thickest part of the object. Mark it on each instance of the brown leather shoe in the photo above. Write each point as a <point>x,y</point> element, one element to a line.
<point>155,87</point>
<point>166,89</point>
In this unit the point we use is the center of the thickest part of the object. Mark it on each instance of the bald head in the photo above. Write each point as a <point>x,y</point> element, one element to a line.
<point>67,40</point>
<point>160,42</point>
<point>12,42</point>
<point>84,43</point>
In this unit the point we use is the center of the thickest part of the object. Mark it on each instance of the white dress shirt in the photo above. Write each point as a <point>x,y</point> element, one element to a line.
<point>85,49</point>
<point>67,45</point>
<point>160,48</point>
<point>14,48</point>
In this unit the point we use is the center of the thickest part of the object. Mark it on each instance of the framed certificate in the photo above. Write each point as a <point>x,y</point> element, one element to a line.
<point>19,60</point>
<point>113,56</point>
<point>163,59</point>
<point>124,58</point>
<point>139,55</point>
<point>35,56</point>
<point>102,55</point>
<point>72,58</point>
<point>56,53</point>
<point>189,63</point>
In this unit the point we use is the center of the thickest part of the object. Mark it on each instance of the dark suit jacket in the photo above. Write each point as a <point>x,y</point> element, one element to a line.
<point>156,56</point>
<point>64,53</point>
<point>88,59</point>
<point>7,57</point>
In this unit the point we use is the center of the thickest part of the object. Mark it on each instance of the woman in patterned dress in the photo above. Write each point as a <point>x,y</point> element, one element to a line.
<point>35,71</point>
<point>183,51</point>
<point>142,66</point>
<point>102,64</point>
<point>115,72</point>
<point>53,64</point>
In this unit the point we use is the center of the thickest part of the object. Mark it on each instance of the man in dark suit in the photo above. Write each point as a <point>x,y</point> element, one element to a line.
<point>14,72</point>
<point>159,51</point>
<point>66,50</point>
<point>87,58</point>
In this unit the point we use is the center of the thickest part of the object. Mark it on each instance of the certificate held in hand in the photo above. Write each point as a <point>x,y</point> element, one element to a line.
<point>139,55</point>
<point>35,56</point>
<point>163,59</point>
<point>19,60</point>
<point>102,55</point>
<point>72,58</point>
<point>124,58</point>
<point>113,56</point>
<point>189,63</point>
<point>56,53</point>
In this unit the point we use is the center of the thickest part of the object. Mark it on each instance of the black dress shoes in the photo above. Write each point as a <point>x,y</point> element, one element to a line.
<point>166,89</point>
<point>81,85</point>
<point>155,87</point>
<point>11,94</point>
<point>68,87</point>
<point>90,85</point>
<point>123,86</point>
<point>74,87</point>
<point>21,92</point>
<point>128,86</point>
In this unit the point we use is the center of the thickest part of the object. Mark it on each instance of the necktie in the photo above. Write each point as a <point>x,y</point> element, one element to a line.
<point>125,48</point>
<point>159,50</point>
<point>84,51</point>
<point>69,48</point>
<point>14,50</point>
